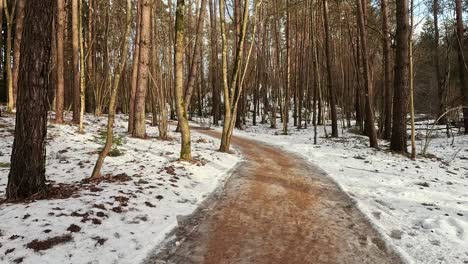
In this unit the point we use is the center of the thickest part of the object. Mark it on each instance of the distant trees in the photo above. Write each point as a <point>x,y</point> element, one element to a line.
<point>27,173</point>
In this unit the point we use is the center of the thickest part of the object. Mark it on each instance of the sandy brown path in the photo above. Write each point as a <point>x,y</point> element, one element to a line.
<point>276,209</point>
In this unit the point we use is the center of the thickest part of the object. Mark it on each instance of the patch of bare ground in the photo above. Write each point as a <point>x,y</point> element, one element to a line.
<point>40,245</point>
<point>57,191</point>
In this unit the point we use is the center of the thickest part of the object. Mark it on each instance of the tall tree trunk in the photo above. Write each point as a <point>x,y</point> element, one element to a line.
<point>90,56</point>
<point>60,87</point>
<point>76,60</point>
<point>370,126</point>
<point>143,73</point>
<point>9,15</point>
<point>440,84</point>
<point>387,129</point>
<point>214,73</point>
<point>232,92</point>
<point>16,49</point>
<point>179,50</point>
<point>331,89</point>
<point>462,68</point>
<point>288,75</point>
<point>400,102</point>
<point>134,81</point>
<point>82,66</point>
<point>28,158</point>
<point>196,58</point>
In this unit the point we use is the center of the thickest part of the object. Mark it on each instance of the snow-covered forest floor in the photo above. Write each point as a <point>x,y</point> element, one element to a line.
<point>420,207</point>
<point>119,220</point>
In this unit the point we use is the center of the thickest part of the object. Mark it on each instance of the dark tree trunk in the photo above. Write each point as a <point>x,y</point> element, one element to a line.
<point>27,174</point>
<point>400,103</point>
<point>331,89</point>
<point>387,129</point>
<point>461,62</point>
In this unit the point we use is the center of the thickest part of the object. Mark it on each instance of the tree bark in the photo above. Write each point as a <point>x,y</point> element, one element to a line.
<point>60,88</point>
<point>82,67</point>
<point>462,68</point>
<point>331,89</point>
<point>27,173</point>
<point>134,81</point>
<point>387,129</point>
<point>9,15</point>
<point>143,73</point>
<point>179,50</point>
<point>76,61</point>
<point>17,45</point>
<point>370,126</point>
<point>401,85</point>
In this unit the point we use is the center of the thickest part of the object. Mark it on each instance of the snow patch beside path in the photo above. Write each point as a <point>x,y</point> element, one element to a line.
<point>119,222</point>
<point>420,206</point>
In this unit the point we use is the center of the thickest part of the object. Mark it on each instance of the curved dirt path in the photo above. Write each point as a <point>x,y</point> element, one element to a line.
<point>276,208</point>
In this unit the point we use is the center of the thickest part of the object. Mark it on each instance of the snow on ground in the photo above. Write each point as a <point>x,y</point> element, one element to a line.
<point>116,222</point>
<point>421,207</point>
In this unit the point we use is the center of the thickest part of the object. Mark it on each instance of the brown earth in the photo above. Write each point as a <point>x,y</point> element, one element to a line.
<point>276,208</point>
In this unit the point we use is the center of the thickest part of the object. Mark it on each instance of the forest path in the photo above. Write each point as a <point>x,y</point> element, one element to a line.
<point>276,208</point>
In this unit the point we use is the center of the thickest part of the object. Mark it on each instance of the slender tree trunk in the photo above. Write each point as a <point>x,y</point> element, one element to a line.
<point>60,88</point>
<point>179,50</point>
<point>143,73</point>
<point>115,88</point>
<point>28,158</point>
<point>9,15</point>
<point>134,80</point>
<point>233,92</point>
<point>82,66</point>
<point>370,126</point>
<point>17,45</point>
<point>411,83</point>
<point>76,60</point>
<point>462,68</point>
<point>331,89</point>
<point>401,85</point>
<point>196,58</point>
<point>288,75</point>
<point>214,73</point>
<point>387,129</point>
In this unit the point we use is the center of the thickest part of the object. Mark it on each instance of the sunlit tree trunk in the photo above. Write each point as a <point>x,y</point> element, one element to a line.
<point>76,60</point>
<point>82,66</point>
<point>60,87</point>
<point>134,80</point>
<point>143,70</point>
<point>179,50</point>
<point>10,16</point>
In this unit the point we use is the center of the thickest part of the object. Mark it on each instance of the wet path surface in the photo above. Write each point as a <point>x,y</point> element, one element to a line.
<point>275,208</point>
